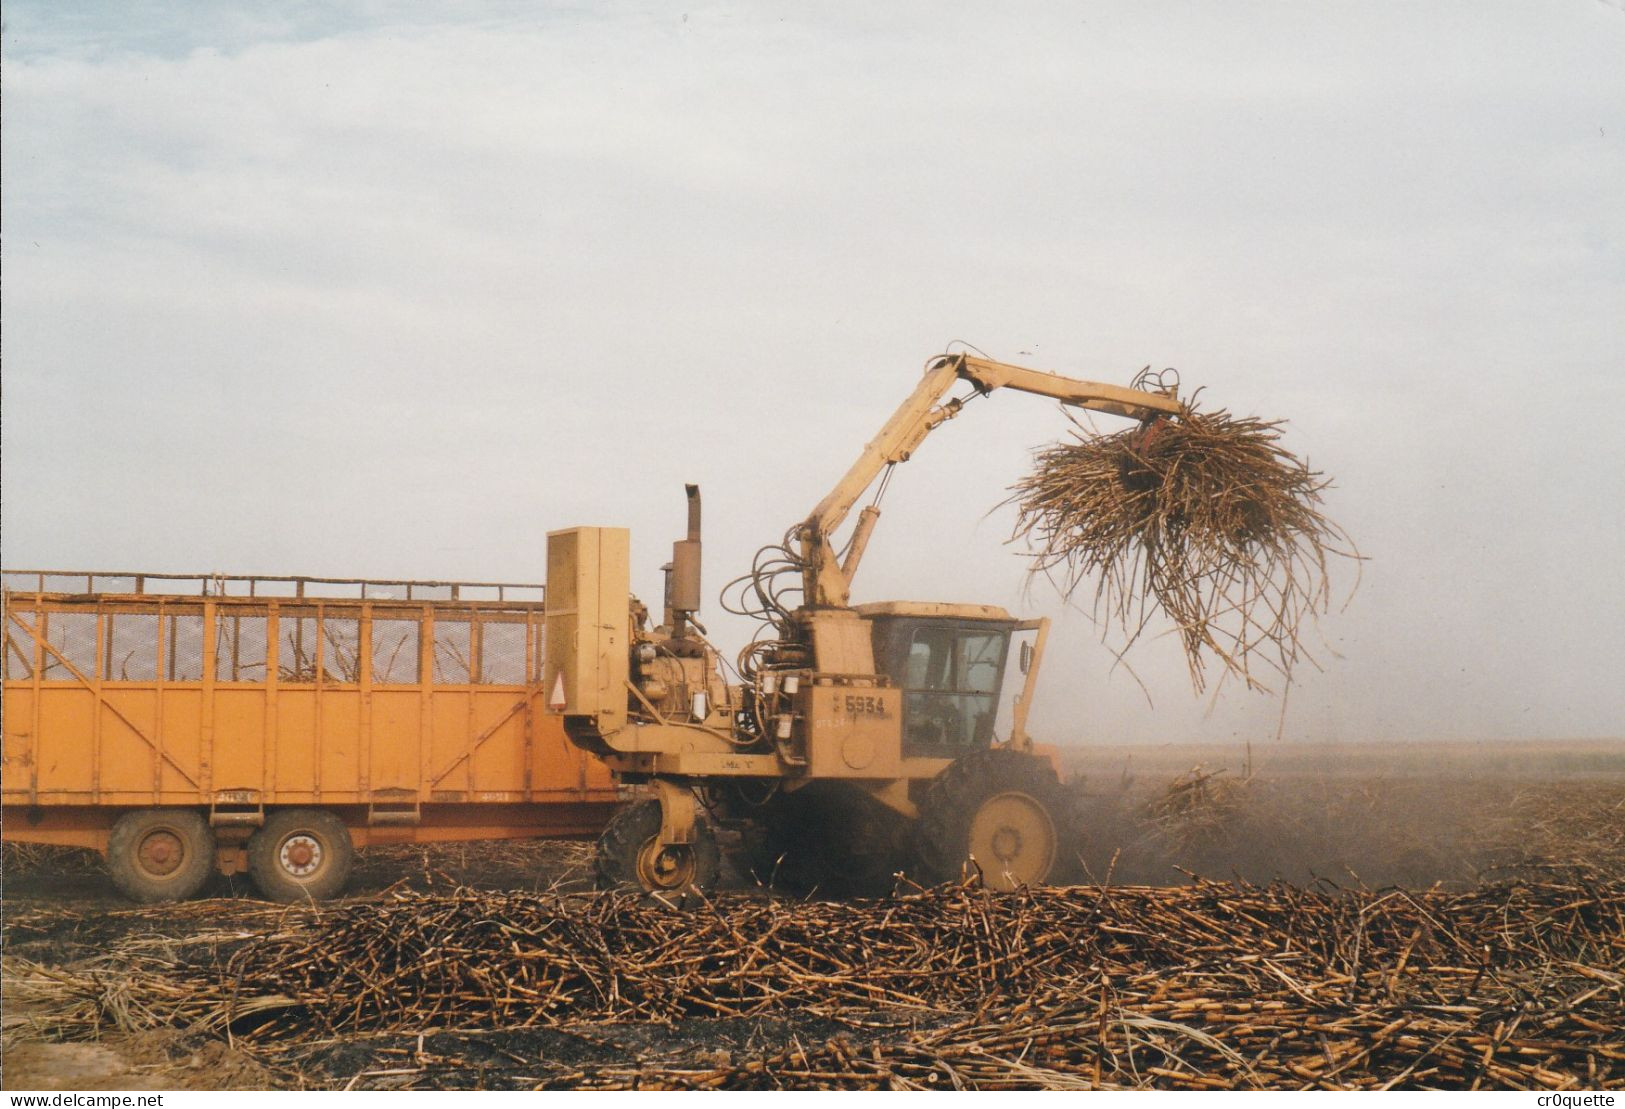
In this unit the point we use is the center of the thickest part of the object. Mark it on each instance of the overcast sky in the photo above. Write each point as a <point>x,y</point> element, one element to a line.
<point>303,288</point>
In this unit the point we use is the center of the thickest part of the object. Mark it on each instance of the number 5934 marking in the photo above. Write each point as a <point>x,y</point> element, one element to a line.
<point>857,704</point>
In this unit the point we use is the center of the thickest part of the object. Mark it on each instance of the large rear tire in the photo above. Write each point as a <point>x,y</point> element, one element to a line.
<point>160,854</point>
<point>630,856</point>
<point>301,855</point>
<point>998,812</point>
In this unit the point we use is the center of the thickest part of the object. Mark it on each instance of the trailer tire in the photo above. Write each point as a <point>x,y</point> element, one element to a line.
<point>160,854</point>
<point>999,809</point>
<point>300,855</point>
<point>629,855</point>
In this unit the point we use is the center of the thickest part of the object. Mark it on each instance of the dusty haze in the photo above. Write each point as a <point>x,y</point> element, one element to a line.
<point>298,291</point>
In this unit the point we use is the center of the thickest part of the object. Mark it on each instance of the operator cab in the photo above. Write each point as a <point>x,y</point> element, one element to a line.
<point>949,662</point>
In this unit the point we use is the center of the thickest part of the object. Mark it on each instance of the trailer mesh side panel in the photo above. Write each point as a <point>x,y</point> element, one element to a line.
<point>394,652</point>
<point>341,648</point>
<point>240,647</point>
<point>453,650</point>
<point>132,647</point>
<point>502,652</point>
<point>183,648</point>
<point>19,652</point>
<point>73,635</point>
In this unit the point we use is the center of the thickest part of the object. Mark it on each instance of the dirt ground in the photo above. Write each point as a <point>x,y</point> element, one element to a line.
<point>1153,815</point>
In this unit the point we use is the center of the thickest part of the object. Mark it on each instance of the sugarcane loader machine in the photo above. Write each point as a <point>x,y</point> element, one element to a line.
<point>858,741</point>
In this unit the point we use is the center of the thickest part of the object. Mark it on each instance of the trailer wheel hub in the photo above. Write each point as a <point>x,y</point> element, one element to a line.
<point>161,852</point>
<point>1014,838</point>
<point>301,855</point>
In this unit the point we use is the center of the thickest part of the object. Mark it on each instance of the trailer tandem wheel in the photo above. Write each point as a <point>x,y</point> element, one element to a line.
<point>160,854</point>
<point>301,854</point>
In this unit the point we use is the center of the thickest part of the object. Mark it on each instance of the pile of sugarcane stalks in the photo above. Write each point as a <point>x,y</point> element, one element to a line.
<point>1212,985</point>
<point>1198,807</point>
<point>1204,518</point>
<point>35,858</point>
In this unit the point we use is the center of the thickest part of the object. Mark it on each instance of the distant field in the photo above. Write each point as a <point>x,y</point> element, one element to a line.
<point>1546,760</point>
<point>1410,814</point>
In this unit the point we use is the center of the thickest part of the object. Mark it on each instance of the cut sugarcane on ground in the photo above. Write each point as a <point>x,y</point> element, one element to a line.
<point>1511,975</point>
<point>1210,986</point>
<point>1204,518</point>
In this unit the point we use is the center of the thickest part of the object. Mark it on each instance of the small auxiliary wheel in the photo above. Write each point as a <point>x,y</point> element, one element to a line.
<point>300,854</point>
<point>160,854</point>
<point>1002,808</point>
<point>630,855</point>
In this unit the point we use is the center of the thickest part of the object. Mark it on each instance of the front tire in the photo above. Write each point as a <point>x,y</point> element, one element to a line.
<point>160,854</point>
<point>301,854</point>
<point>1002,810</point>
<point>630,855</point>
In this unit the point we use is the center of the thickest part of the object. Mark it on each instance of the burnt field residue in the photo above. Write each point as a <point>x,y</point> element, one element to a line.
<point>1228,985</point>
<point>1430,932</point>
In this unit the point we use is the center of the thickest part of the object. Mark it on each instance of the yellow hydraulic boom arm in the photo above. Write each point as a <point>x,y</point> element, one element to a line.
<point>827,581</point>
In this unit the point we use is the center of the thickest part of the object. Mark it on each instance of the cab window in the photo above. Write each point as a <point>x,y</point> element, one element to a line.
<point>950,684</point>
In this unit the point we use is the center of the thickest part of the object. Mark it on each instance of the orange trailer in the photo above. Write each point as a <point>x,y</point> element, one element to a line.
<point>183,724</point>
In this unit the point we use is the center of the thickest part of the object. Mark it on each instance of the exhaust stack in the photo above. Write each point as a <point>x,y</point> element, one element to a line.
<point>683,572</point>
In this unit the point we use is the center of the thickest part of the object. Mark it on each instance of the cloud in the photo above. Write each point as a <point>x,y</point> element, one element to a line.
<point>298,289</point>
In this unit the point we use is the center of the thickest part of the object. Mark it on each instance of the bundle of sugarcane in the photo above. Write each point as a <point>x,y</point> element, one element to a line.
<point>1204,517</point>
